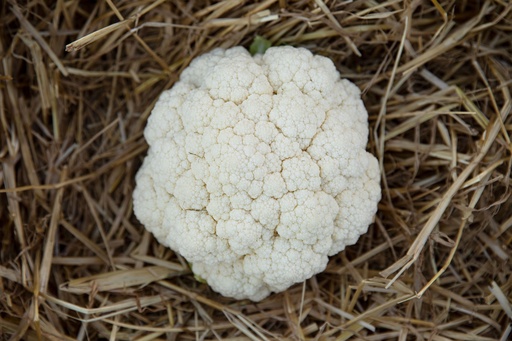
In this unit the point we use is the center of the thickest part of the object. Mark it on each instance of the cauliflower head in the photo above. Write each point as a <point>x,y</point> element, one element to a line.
<point>256,170</point>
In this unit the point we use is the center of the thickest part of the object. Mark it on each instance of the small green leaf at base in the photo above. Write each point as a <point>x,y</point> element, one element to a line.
<point>197,277</point>
<point>200,279</point>
<point>259,45</point>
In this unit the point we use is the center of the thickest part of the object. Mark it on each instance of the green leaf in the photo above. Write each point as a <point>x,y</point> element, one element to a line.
<point>200,279</point>
<point>197,277</point>
<point>259,45</point>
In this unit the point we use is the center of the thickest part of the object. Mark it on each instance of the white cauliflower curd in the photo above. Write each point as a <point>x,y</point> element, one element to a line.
<point>257,170</point>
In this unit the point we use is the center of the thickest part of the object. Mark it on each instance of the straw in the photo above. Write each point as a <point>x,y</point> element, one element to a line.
<point>78,81</point>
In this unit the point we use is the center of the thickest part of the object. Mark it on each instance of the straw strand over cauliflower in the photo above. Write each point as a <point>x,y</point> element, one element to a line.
<point>257,169</point>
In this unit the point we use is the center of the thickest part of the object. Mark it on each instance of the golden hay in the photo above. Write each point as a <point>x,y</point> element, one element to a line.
<point>75,263</point>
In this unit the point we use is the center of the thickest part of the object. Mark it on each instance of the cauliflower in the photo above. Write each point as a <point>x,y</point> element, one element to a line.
<point>257,170</point>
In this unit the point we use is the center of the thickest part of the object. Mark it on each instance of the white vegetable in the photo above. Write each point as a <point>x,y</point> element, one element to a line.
<point>257,169</point>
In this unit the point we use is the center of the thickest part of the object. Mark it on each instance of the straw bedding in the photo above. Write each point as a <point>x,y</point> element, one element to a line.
<point>78,80</point>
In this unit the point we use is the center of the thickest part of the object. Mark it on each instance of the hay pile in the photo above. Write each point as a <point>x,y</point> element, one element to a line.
<point>76,264</point>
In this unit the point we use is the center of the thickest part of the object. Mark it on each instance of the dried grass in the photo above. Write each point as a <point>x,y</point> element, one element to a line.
<point>76,264</point>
